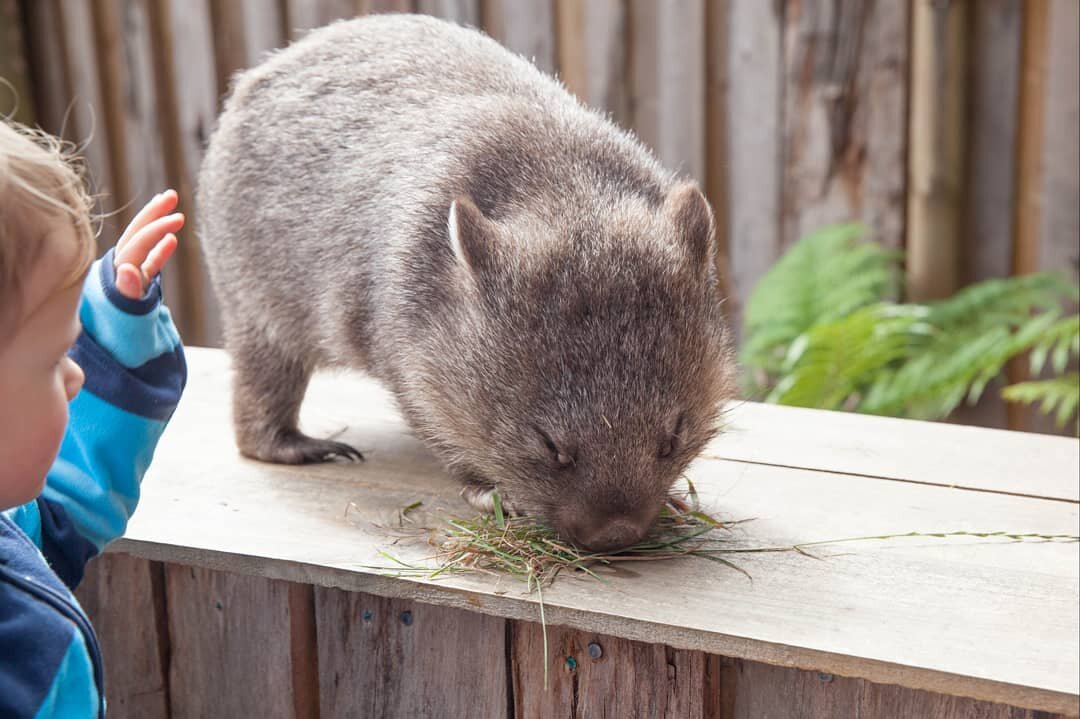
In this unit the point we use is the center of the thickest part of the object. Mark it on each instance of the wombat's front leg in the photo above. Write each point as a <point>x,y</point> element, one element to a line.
<point>268,388</point>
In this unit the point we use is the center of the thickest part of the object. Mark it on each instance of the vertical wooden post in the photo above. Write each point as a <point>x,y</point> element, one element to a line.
<point>937,121</point>
<point>16,99</point>
<point>844,117</point>
<point>754,100</point>
<point>592,54</point>
<point>525,26</point>
<point>716,132</point>
<point>667,75</point>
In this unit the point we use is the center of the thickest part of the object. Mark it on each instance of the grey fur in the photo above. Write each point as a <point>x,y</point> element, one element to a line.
<point>580,308</point>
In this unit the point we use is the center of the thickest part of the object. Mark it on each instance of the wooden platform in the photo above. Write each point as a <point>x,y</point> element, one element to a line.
<point>242,589</point>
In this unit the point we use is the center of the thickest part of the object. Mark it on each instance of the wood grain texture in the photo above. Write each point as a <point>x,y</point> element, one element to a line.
<point>392,658</point>
<point>463,12</point>
<point>127,609</point>
<point>760,691</point>
<point>231,646</point>
<point>994,621</point>
<point>844,101</point>
<point>592,675</point>
<point>592,44</point>
<point>304,15</point>
<point>48,65</point>
<point>1059,235</point>
<point>16,98</point>
<point>667,81</point>
<point>526,27</point>
<point>937,137</point>
<point>753,149</point>
<point>947,456</point>
<point>188,87</point>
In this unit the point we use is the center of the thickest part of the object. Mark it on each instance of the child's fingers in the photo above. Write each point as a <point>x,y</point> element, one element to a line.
<point>140,244</point>
<point>129,281</point>
<point>159,205</point>
<point>159,255</point>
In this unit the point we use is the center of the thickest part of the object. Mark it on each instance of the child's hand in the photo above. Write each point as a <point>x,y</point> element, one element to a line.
<point>147,244</point>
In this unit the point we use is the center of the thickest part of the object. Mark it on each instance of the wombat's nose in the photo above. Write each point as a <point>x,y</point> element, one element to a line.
<point>610,536</point>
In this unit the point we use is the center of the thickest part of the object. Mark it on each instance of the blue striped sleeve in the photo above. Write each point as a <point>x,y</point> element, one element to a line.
<point>135,372</point>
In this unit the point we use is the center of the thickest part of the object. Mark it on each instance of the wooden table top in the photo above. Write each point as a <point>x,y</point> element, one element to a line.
<point>989,619</point>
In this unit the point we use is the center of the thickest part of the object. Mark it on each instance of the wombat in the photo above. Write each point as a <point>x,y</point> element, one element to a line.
<point>404,196</point>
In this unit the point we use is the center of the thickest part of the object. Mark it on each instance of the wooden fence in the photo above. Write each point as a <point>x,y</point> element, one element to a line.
<point>949,127</point>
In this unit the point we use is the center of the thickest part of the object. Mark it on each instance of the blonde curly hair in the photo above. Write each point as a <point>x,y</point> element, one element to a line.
<point>41,183</point>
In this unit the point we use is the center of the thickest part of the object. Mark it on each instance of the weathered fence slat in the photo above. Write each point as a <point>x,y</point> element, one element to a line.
<point>844,101</point>
<point>124,599</point>
<point>392,658</point>
<point>596,675</point>
<point>231,645</point>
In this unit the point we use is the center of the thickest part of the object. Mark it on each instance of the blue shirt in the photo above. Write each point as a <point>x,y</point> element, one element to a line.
<point>131,354</point>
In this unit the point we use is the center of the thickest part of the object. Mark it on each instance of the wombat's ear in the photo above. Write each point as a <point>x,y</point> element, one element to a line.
<point>689,213</point>
<point>472,236</point>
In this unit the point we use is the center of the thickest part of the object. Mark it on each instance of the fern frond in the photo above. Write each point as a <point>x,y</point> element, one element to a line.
<point>825,276</point>
<point>1059,396</point>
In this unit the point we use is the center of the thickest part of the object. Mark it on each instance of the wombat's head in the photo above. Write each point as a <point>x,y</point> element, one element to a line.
<point>581,372</point>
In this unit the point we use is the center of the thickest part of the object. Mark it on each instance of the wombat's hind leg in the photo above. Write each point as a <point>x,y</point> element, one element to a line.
<point>268,388</point>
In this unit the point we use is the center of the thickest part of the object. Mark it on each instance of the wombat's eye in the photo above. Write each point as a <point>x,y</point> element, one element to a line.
<point>561,458</point>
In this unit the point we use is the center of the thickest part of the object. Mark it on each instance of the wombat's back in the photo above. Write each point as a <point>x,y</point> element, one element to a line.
<point>334,151</point>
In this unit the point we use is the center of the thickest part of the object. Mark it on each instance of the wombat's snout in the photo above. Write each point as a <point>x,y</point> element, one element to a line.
<point>609,534</point>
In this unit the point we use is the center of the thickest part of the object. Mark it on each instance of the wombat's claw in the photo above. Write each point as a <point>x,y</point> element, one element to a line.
<point>298,448</point>
<point>481,497</point>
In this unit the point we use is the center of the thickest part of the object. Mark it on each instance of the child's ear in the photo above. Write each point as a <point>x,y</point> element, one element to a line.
<point>473,237</point>
<point>688,212</point>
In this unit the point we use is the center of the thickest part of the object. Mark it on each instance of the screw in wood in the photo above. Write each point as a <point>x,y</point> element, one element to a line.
<point>368,616</point>
<point>826,678</point>
<point>595,650</point>
<point>406,617</point>
<point>571,663</point>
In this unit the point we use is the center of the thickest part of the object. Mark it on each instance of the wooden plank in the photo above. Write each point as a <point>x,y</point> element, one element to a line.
<point>463,12</point>
<point>592,62</point>
<point>48,66</point>
<point>123,597</point>
<point>991,173</point>
<point>304,15</point>
<point>948,455</point>
<point>87,114</point>
<point>391,658</point>
<point>844,100</point>
<point>16,99</point>
<point>232,651</point>
<point>753,144</point>
<point>526,27</point>
<point>756,690</point>
<point>1059,229</point>
<point>716,133</point>
<point>186,84</point>
<point>243,33</point>
<point>990,176</point>
<point>667,70</point>
<point>592,675</point>
<point>990,620</point>
<point>132,93</point>
<point>937,135</point>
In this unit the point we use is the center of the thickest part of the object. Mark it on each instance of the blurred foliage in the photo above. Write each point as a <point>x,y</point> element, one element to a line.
<point>823,329</point>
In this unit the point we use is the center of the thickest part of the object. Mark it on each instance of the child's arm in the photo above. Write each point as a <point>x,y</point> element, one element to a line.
<point>131,354</point>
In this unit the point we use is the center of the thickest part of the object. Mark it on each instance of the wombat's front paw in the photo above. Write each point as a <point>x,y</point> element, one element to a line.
<point>295,447</point>
<point>481,497</point>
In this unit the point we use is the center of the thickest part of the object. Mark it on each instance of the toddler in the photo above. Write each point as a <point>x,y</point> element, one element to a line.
<point>89,340</point>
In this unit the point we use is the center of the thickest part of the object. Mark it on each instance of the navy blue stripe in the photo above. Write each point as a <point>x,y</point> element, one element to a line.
<point>150,390</point>
<point>141,306</point>
<point>33,638</point>
<point>66,550</point>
